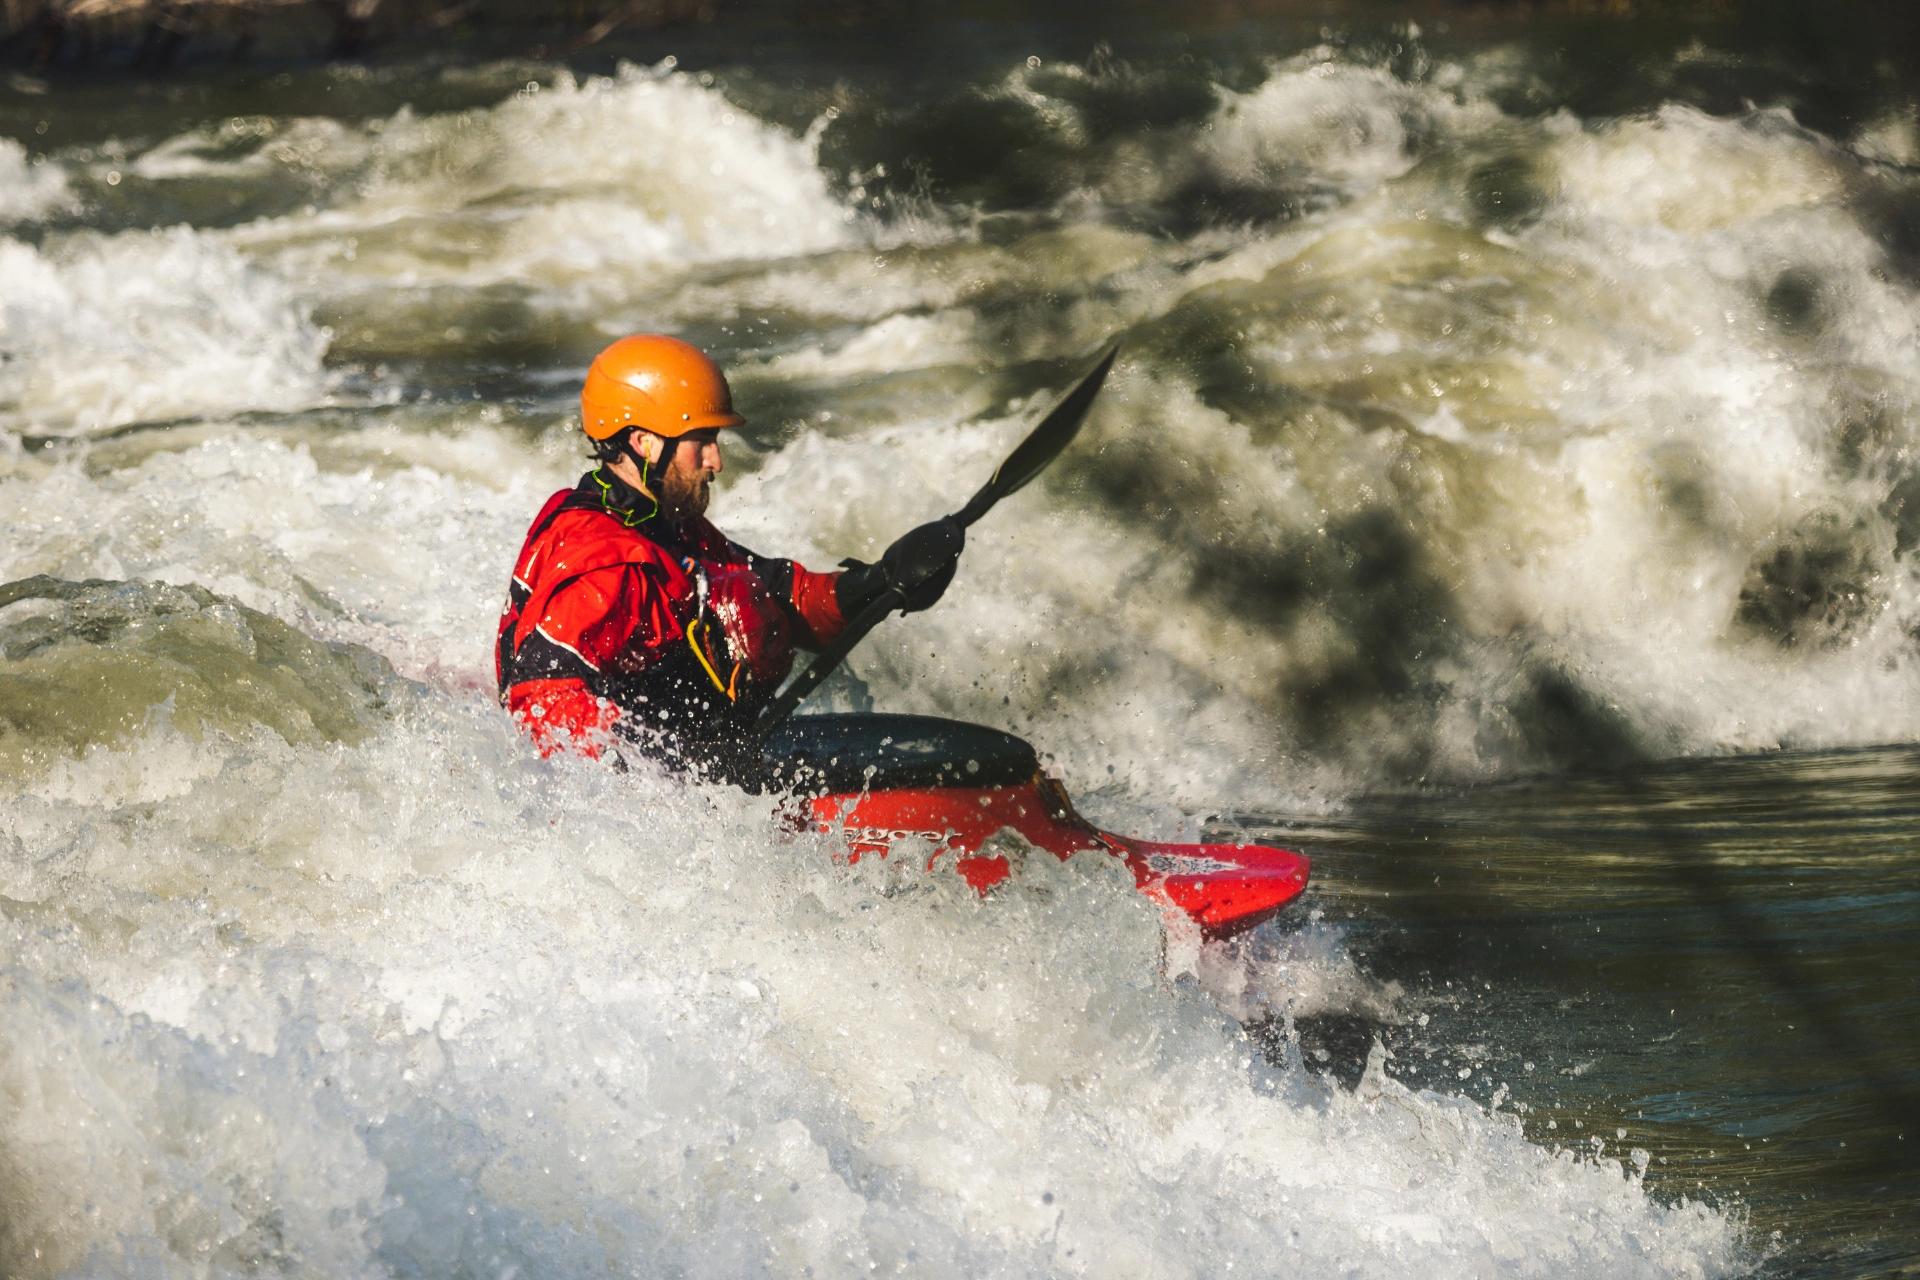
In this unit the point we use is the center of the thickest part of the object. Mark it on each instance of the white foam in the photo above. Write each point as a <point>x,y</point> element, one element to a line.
<point>1318,120</point>
<point>931,288</point>
<point>342,553</point>
<point>1559,388</point>
<point>256,148</point>
<point>1684,169</point>
<point>103,330</point>
<point>1300,970</point>
<point>526,968</point>
<point>894,343</point>
<point>31,189</point>
<point>1893,137</point>
<point>545,1017</point>
<point>592,188</point>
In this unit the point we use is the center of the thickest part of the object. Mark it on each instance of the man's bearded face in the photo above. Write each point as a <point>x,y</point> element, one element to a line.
<point>687,467</point>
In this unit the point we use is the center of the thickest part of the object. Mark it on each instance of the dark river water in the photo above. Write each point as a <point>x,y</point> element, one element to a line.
<point>1702,962</point>
<point>1509,479</point>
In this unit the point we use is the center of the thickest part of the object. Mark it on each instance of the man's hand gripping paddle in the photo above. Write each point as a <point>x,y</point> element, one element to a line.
<point>1041,447</point>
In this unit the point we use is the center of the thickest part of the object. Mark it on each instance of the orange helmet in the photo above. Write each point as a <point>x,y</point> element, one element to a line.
<point>657,383</point>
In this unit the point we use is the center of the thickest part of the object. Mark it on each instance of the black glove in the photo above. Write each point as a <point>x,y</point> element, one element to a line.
<point>916,568</point>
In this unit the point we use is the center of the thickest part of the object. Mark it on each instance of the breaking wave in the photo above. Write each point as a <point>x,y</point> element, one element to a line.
<point>101,331</point>
<point>265,1004</point>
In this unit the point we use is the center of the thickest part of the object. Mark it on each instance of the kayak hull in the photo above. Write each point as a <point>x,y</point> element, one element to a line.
<point>878,781</point>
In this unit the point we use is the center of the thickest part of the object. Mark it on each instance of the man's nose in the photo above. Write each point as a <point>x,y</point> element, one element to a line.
<point>712,460</point>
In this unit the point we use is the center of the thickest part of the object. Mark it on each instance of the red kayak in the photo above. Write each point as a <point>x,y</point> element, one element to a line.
<point>880,779</point>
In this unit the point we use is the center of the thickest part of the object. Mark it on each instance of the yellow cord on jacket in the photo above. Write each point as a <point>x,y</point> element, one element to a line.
<point>731,685</point>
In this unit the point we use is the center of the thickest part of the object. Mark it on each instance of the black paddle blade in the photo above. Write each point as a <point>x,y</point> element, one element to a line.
<point>1042,445</point>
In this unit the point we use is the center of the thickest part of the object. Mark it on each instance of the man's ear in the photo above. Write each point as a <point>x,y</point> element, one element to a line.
<point>649,446</point>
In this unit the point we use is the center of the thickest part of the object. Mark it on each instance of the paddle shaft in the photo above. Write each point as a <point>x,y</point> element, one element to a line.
<point>1042,445</point>
<point>823,664</point>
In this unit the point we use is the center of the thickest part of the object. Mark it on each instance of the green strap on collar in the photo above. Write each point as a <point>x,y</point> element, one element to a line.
<point>626,517</point>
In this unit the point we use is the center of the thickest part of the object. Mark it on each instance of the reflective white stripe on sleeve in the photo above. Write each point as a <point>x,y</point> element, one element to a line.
<point>591,666</point>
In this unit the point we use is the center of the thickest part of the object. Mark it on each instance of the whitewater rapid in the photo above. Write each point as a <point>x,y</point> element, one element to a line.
<point>1470,443</point>
<point>1527,441</point>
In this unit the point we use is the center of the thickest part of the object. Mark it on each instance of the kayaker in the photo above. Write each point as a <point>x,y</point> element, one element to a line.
<point>631,618</point>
